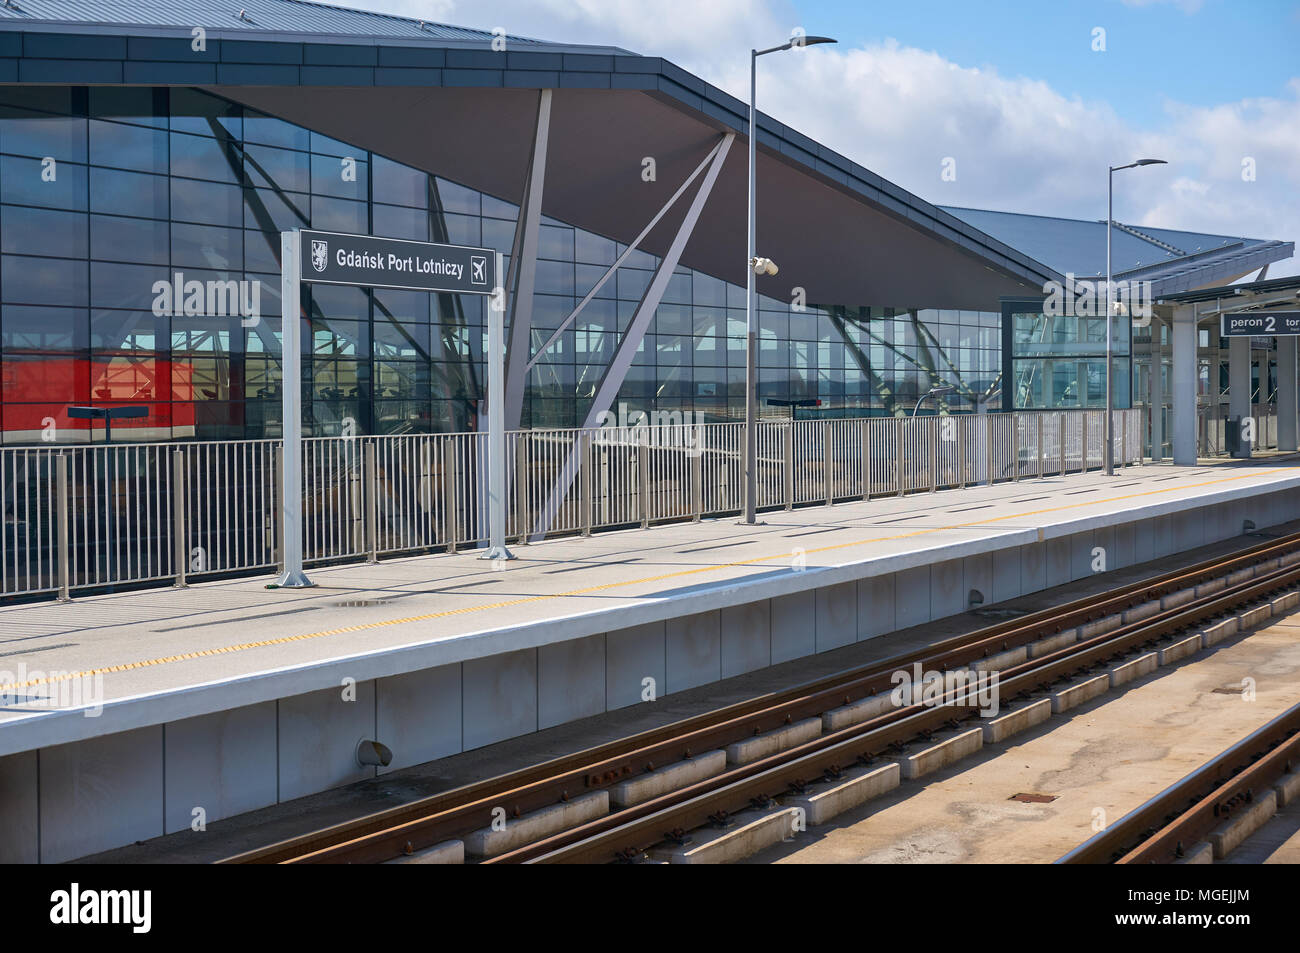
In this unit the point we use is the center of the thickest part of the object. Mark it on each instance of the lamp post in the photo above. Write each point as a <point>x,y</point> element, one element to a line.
<point>932,392</point>
<point>756,266</point>
<point>1108,436</point>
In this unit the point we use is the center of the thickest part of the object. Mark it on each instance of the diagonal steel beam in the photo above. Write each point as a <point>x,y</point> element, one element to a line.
<point>615,374</point>
<point>609,273</point>
<point>523,268</point>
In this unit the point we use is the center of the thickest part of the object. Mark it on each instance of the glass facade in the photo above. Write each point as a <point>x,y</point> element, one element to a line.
<point>105,192</point>
<point>1059,361</point>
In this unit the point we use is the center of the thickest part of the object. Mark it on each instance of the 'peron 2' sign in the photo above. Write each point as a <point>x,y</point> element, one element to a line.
<point>339,259</point>
<point>1260,323</point>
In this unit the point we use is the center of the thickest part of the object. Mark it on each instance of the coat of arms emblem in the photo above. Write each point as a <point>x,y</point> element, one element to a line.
<point>319,254</point>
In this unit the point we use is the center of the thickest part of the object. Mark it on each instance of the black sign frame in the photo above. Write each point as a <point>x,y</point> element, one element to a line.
<point>1256,324</point>
<point>397,264</point>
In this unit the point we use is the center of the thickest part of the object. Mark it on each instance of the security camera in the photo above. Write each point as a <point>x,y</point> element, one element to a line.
<point>764,266</point>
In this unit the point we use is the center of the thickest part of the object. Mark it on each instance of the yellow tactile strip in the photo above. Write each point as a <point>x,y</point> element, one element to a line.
<point>676,574</point>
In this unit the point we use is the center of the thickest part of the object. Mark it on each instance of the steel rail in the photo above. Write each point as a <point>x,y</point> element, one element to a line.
<point>634,830</point>
<point>428,821</point>
<point>1165,827</point>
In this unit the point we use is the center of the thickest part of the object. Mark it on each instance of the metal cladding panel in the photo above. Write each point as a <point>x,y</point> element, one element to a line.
<point>288,16</point>
<point>831,239</point>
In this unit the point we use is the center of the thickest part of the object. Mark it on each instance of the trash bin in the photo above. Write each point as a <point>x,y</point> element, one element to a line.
<point>1232,436</point>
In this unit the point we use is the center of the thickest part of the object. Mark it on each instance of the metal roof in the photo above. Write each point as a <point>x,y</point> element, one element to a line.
<point>259,16</point>
<point>1271,286</point>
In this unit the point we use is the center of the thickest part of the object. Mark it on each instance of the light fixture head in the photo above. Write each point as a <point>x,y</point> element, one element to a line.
<point>1150,162</point>
<point>764,266</point>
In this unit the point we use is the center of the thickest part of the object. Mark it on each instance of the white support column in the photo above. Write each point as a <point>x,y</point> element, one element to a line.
<point>1239,385</point>
<point>1288,420</point>
<point>291,412</point>
<point>1157,392</point>
<point>1183,410</point>
<point>496,450</point>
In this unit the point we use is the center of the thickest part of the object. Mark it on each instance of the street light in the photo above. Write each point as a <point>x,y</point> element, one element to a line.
<point>932,392</point>
<point>1108,437</point>
<point>757,266</point>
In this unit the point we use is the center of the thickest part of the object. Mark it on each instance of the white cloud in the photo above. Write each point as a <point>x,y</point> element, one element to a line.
<point>1018,144</point>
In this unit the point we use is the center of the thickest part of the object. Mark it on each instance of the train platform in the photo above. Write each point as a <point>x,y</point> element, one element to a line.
<point>230,696</point>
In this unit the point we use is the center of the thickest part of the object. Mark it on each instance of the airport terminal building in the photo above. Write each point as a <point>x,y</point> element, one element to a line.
<point>169,149</point>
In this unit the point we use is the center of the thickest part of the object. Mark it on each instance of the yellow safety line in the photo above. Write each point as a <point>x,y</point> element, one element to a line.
<point>676,574</point>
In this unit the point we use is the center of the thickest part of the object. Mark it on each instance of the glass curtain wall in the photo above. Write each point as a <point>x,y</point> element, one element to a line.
<point>106,192</point>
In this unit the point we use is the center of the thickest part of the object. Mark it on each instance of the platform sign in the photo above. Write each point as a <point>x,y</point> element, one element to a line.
<point>336,258</point>
<point>1260,323</point>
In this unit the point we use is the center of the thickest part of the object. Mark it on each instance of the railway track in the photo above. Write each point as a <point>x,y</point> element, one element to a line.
<point>1214,808</point>
<point>1169,604</point>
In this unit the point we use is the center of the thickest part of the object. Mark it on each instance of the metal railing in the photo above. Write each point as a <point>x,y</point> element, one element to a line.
<point>91,517</point>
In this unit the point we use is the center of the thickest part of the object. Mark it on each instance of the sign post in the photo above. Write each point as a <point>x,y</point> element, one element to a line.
<point>315,257</point>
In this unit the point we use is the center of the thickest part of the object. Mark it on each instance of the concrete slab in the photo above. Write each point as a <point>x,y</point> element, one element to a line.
<point>1077,694</point>
<point>857,712</point>
<point>1126,672</point>
<point>448,852</point>
<point>634,656</point>
<point>220,765</point>
<point>1053,643</point>
<point>934,757</point>
<point>1181,649</point>
<point>693,650</point>
<point>794,630</point>
<point>1216,633</point>
<point>1017,720</point>
<point>515,832</point>
<point>746,638</point>
<point>570,681</point>
<point>98,794</point>
<point>499,697</point>
<point>671,777</point>
<point>854,789</point>
<point>1229,835</point>
<point>319,733</point>
<point>876,612</point>
<point>771,742</point>
<point>745,836</point>
<point>19,789</point>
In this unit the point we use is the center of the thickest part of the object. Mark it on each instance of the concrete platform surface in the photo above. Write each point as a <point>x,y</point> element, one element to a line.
<point>219,646</point>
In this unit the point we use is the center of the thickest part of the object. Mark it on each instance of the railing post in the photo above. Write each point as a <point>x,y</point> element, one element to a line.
<point>521,487</point>
<point>1062,442</point>
<point>1123,439</point>
<point>1015,447</point>
<point>1039,444</point>
<point>898,453</point>
<point>370,501</point>
<point>1083,442</point>
<point>988,444</point>
<point>277,479</point>
<point>934,455</point>
<point>866,459</point>
<point>643,476</point>
<point>180,546</point>
<point>61,487</point>
<point>586,478</point>
<point>961,452</point>
<point>697,484</point>
<point>828,455</point>
<point>449,527</point>
<point>788,439</point>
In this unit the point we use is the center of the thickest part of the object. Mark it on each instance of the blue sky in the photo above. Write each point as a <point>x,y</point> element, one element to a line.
<point>1008,93</point>
<point>1201,54</point>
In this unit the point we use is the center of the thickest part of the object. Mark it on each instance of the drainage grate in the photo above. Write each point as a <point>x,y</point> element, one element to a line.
<point>1034,798</point>
<point>1229,690</point>
<point>360,603</point>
